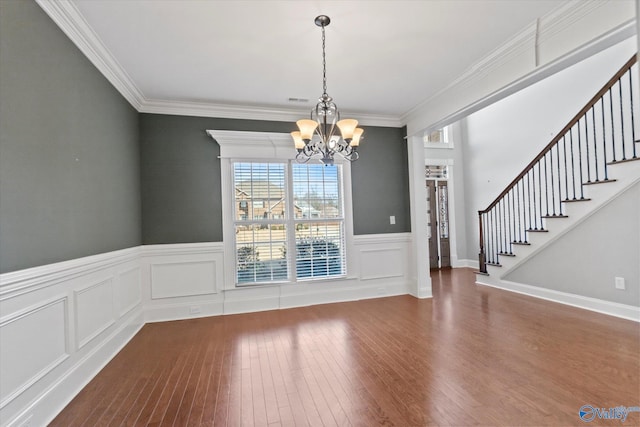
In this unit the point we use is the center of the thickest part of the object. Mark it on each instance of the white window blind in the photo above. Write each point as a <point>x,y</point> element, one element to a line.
<point>285,212</point>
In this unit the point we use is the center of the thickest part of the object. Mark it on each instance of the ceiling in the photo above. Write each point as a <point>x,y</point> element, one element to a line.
<point>383,57</point>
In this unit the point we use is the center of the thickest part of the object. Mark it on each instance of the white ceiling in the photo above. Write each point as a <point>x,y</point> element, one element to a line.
<point>383,57</point>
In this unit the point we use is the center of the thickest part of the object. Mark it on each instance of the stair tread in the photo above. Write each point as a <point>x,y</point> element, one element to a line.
<point>555,216</point>
<point>586,199</point>
<point>493,264</point>
<point>538,230</point>
<point>602,181</point>
<point>633,159</point>
<point>521,243</point>
<point>505,254</point>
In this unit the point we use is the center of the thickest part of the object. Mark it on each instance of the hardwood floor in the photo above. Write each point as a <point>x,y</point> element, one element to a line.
<point>472,355</point>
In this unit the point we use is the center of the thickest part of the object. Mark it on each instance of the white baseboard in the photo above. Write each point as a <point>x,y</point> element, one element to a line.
<point>623,311</point>
<point>466,263</point>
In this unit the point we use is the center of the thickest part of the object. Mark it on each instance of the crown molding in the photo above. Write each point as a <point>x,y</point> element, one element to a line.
<point>524,45</point>
<point>72,23</point>
<point>232,111</point>
<point>520,44</point>
<point>567,14</point>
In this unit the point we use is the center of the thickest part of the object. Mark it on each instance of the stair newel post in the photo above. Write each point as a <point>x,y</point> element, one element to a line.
<point>481,255</point>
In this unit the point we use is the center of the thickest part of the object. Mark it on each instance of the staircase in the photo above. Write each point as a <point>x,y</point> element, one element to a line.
<point>592,160</point>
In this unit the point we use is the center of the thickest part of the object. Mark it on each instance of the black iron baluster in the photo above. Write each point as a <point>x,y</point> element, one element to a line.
<point>580,160</point>
<point>494,234</point>
<point>535,208</point>
<point>573,167</point>
<point>519,211</point>
<point>499,223</point>
<point>586,144</point>
<point>633,125</point>
<point>540,193</point>
<point>553,190</point>
<point>624,150</point>
<point>505,232</point>
<point>566,169</point>
<point>604,141</point>
<point>559,178</point>
<point>595,140</point>
<point>491,237</point>
<point>613,135</point>
<point>546,184</point>
<point>509,240</point>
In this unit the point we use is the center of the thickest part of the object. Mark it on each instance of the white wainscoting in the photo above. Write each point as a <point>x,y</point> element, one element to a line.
<point>59,325</point>
<point>186,280</point>
<point>181,281</point>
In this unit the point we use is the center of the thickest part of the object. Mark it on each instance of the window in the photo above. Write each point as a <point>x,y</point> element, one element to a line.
<point>439,138</point>
<point>289,221</point>
<point>436,172</point>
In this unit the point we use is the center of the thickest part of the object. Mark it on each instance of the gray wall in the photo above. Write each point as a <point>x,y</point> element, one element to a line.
<point>586,259</point>
<point>180,178</point>
<point>69,167</point>
<point>380,182</point>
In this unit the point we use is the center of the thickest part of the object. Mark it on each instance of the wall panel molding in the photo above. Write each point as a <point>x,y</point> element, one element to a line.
<point>93,311</point>
<point>24,362</point>
<point>183,278</point>
<point>59,325</point>
<point>127,290</point>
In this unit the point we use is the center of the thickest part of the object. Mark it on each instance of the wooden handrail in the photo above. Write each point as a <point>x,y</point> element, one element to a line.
<point>564,130</point>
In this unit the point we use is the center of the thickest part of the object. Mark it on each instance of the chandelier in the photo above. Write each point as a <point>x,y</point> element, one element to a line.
<point>317,137</point>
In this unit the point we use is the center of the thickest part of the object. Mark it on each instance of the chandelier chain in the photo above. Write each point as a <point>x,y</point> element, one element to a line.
<point>324,65</point>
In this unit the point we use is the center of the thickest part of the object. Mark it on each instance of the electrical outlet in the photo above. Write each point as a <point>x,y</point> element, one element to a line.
<point>620,283</point>
<point>392,220</point>
<point>195,309</point>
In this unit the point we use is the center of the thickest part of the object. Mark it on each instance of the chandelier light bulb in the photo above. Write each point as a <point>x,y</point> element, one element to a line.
<point>297,140</point>
<point>347,126</point>
<point>307,128</point>
<point>357,134</point>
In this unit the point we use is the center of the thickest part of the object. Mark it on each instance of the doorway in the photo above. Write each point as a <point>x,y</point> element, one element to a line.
<point>438,216</point>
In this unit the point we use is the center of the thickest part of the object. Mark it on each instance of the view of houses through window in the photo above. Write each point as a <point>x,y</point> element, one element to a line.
<point>283,209</point>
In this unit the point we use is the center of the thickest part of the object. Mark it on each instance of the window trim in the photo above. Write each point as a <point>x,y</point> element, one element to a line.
<point>269,147</point>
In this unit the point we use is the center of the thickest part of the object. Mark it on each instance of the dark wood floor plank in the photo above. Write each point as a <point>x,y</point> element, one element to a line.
<point>471,355</point>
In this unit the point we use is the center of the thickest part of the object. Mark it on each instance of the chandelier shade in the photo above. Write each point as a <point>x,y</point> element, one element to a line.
<point>317,136</point>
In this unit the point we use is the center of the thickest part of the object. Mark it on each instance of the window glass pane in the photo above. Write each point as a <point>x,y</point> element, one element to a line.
<point>320,249</point>
<point>259,191</point>
<point>436,171</point>
<point>316,191</point>
<point>261,254</point>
